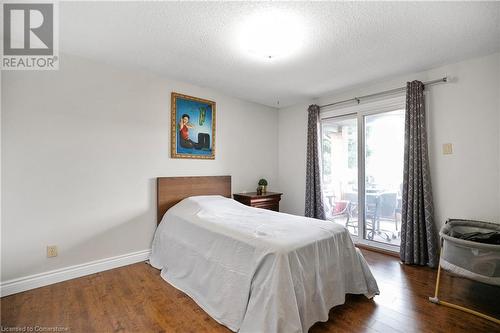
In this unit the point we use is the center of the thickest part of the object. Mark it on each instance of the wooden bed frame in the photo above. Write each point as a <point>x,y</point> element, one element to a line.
<point>171,190</point>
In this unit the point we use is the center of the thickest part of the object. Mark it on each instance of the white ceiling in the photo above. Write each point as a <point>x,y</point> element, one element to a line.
<point>346,43</point>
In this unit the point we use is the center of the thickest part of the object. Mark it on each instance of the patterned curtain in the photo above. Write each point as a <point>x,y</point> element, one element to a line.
<point>314,195</point>
<point>418,235</point>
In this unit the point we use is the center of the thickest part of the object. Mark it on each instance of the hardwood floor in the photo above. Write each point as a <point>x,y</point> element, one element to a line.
<point>135,299</point>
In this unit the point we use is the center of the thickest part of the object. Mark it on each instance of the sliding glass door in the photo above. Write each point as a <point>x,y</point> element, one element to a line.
<point>383,169</point>
<point>340,171</point>
<point>362,161</point>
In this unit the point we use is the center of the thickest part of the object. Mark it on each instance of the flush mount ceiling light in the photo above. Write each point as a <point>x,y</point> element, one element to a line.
<point>271,34</point>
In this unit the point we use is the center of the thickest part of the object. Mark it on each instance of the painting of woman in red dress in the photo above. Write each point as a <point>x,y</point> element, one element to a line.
<point>194,127</point>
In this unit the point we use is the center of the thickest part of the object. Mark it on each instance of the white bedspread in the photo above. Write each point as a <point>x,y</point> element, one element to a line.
<point>255,270</point>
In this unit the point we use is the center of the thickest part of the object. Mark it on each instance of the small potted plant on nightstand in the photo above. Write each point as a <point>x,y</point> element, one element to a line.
<point>263,185</point>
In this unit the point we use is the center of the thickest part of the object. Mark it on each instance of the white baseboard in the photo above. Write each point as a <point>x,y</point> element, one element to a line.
<point>18,285</point>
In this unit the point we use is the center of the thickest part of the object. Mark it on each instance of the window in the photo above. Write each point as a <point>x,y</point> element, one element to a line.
<point>362,164</point>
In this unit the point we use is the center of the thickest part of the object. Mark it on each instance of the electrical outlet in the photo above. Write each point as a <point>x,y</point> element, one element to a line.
<point>51,251</point>
<point>447,149</point>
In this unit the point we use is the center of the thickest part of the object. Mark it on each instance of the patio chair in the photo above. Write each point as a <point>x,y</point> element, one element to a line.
<point>371,215</point>
<point>352,222</point>
<point>341,209</point>
<point>388,202</point>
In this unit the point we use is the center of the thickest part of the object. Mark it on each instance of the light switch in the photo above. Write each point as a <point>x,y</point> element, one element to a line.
<point>447,149</point>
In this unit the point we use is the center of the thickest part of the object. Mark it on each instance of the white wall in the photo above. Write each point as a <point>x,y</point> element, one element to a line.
<point>464,112</point>
<point>81,148</point>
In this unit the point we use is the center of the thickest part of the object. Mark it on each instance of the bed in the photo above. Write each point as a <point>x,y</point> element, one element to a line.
<point>253,270</point>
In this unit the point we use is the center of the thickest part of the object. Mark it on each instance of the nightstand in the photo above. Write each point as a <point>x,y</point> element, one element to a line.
<point>268,200</point>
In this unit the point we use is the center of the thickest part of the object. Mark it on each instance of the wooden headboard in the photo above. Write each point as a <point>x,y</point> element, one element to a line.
<point>171,190</point>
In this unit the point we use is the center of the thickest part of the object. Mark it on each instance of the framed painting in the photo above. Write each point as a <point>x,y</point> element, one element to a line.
<point>193,127</point>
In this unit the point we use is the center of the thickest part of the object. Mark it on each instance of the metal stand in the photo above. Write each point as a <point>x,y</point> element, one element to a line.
<point>436,300</point>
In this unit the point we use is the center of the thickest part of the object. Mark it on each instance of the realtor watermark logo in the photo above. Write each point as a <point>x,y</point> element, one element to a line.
<point>30,36</point>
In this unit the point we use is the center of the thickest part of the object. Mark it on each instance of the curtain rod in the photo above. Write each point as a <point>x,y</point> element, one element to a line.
<point>386,92</point>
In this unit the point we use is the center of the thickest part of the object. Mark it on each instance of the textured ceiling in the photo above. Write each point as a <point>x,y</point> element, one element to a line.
<point>346,43</point>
